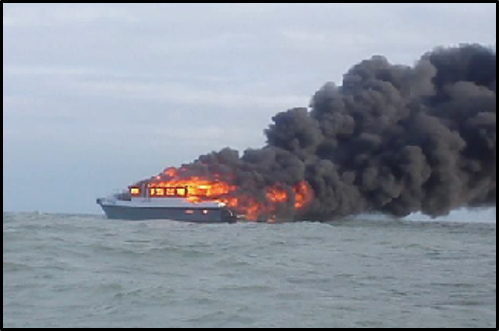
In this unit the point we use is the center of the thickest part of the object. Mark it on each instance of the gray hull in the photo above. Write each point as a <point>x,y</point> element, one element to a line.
<point>218,215</point>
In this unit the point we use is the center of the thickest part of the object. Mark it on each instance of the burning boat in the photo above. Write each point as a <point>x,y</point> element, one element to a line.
<point>148,202</point>
<point>173,195</point>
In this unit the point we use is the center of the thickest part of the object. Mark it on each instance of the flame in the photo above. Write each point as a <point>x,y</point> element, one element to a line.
<point>171,172</point>
<point>303,195</point>
<point>274,194</point>
<point>173,182</point>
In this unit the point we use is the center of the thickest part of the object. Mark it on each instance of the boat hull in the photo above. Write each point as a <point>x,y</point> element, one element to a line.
<point>205,215</point>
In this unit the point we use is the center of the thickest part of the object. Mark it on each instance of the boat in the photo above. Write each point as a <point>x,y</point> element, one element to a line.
<point>172,203</point>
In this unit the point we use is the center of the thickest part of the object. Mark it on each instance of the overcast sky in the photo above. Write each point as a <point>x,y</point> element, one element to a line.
<point>97,96</point>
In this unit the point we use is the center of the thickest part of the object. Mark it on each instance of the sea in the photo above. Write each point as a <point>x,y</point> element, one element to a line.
<point>63,270</point>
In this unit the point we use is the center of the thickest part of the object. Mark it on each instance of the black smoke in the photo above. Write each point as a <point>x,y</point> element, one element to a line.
<point>392,138</point>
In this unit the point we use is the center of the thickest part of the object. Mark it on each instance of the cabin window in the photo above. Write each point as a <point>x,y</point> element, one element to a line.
<point>171,192</point>
<point>181,191</point>
<point>134,191</point>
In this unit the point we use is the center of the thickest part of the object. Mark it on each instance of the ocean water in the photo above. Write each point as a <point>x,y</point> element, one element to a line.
<point>87,271</point>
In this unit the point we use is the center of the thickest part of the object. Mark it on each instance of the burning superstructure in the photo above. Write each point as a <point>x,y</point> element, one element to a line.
<point>173,195</point>
<point>197,190</point>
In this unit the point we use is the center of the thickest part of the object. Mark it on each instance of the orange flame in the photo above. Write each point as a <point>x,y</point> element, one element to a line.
<point>196,189</point>
<point>303,195</point>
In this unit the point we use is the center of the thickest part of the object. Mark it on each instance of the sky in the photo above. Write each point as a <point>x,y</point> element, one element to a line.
<point>98,96</point>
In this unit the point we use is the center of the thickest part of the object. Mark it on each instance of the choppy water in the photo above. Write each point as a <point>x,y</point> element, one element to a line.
<point>85,271</point>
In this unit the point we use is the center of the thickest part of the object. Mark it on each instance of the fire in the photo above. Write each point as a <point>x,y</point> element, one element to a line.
<point>274,194</point>
<point>173,182</point>
<point>303,195</point>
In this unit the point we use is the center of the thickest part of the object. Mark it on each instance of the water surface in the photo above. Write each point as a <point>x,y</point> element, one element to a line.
<point>87,271</point>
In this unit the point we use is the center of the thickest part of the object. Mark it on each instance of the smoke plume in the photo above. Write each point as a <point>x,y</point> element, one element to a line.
<point>392,139</point>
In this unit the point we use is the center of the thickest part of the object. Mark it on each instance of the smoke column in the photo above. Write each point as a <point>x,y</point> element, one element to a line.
<point>392,139</point>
